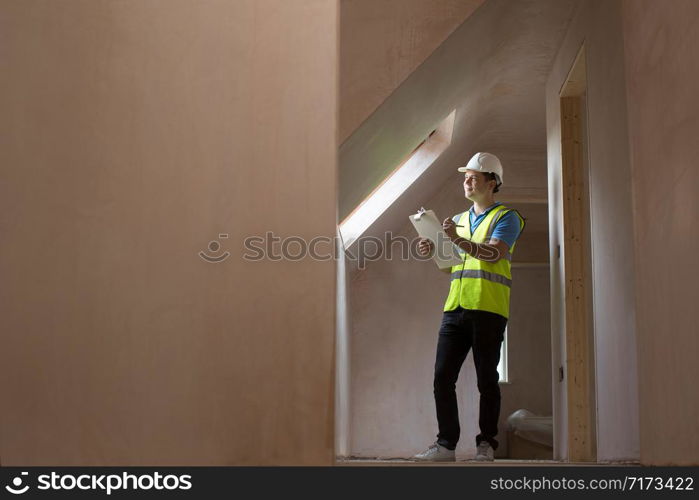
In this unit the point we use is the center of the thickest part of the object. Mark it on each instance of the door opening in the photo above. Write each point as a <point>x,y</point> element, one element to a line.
<point>577,264</point>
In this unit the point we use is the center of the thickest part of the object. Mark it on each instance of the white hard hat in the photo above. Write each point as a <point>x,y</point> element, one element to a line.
<point>484,162</point>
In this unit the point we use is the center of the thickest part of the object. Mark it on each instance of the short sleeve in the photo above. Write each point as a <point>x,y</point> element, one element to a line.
<point>508,228</point>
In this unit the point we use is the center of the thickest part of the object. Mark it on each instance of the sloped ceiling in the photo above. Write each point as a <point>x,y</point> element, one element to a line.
<point>492,70</point>
<point>382,42</point>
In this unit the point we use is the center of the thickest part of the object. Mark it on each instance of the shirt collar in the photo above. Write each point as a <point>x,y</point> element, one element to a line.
<point>486,210</point>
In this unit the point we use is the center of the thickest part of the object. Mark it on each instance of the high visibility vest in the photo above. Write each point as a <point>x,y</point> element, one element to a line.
<point>476,284</point>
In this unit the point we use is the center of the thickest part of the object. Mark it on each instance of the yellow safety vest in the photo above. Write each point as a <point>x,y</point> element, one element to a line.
<point>476,284</point>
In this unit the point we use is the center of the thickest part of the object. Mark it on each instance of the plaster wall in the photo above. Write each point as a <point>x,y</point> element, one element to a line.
<point>342,354</point>
<point>382,42</point>
<point>133,134</point>
<point>663,110</point>
<point>598,25</point>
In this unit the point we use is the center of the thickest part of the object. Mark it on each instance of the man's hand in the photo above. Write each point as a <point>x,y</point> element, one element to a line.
<point>449,227</point>
<point>425,247</point>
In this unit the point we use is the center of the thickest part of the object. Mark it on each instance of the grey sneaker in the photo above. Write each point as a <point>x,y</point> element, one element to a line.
<point>484,452</point>
<point>436,453</point>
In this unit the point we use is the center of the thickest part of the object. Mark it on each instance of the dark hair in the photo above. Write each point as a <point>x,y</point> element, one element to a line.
<point>489,176</point>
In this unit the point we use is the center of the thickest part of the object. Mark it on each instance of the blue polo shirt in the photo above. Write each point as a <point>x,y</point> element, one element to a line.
<point>507,229</point>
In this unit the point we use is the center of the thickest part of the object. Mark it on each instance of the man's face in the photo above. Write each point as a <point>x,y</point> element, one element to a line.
<point>475,185</point>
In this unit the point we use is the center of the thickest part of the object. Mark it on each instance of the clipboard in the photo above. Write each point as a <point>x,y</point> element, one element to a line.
<point>428,226</point>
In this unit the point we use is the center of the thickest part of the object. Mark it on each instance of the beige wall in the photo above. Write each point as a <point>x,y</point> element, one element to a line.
<point>133,133</point>
<point>529,343</point>
<point>598,25</point>
<point>382,42</point>
<point>662,70</point>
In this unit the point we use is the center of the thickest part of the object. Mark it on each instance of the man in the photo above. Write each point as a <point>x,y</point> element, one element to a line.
<point>477,307</point>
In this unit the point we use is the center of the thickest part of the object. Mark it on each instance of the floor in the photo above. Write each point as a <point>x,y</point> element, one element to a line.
<point>361,461</point>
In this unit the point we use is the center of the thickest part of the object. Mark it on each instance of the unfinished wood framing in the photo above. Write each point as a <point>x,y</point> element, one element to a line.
<point>579,379</point>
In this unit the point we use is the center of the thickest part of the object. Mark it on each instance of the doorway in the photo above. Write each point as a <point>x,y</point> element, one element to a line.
<point>577,371</point>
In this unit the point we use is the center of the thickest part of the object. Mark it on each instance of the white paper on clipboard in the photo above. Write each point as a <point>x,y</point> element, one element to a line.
<point>428,226</point>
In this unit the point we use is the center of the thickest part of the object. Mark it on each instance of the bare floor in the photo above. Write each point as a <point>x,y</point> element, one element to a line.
<point>357,461</point>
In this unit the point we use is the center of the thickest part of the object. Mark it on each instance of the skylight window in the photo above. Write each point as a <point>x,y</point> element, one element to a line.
<point>397,182</point>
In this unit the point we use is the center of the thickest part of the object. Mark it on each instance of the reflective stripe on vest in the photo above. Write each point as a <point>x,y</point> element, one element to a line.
<point>477,273</point>
<point>476,284</point>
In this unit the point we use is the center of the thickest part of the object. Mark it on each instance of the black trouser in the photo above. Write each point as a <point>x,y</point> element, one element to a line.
<point>462,330</point>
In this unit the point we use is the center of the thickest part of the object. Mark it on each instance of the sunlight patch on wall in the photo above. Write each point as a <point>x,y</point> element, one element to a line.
<point>397,182</point>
